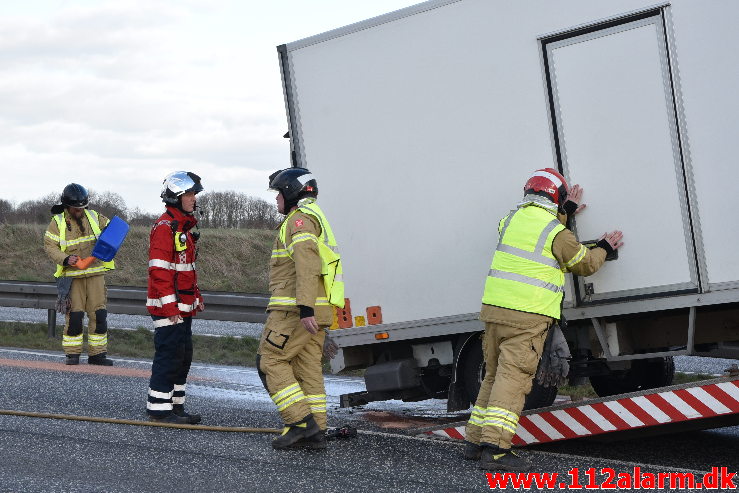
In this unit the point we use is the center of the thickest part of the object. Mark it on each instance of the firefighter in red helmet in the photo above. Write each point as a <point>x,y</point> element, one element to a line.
<point>522,299</point>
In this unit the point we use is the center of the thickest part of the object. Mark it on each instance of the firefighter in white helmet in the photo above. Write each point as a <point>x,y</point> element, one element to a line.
<point>173,298</point>
<point>522,298</point>
<point>305,281</point>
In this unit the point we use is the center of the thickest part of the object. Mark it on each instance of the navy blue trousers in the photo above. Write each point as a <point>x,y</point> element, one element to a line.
<point>172,359</point>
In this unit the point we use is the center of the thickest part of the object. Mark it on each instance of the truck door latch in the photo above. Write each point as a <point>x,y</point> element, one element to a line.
<point>589,291</point>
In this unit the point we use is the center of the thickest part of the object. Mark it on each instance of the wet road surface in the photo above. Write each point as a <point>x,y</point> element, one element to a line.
<point>56,455</point>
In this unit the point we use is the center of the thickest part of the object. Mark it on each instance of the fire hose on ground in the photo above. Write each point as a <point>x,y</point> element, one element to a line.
<point>333,433</point>
<point>134,422</point>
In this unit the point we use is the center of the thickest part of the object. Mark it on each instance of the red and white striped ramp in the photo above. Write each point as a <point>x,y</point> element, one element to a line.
<point>695,403</point>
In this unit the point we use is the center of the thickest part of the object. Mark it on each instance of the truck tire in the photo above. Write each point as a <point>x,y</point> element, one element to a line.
<point>474,372</point>
<point>644,374</point>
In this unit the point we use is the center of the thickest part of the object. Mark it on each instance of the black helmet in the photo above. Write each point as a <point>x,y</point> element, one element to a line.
<point>73,195</point>
<point>293,184</point>
<point>179,183</point>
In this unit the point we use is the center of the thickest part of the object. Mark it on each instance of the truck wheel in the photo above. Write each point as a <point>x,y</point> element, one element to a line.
<point>644,374</point>
<point>474,372</point>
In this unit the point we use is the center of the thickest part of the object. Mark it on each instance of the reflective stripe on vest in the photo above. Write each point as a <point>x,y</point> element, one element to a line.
<point>290,301</point>
<point>331,270</point>
<point>92,217</point>
<point>524,275</point>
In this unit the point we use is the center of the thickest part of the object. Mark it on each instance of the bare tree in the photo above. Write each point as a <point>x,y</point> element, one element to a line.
<point>261,214</point>
<point>231,209</point>
<point>228,209</point>
<point>137,217</point>
<point>6,210</point>
<point>34,211</point>
<point>108,203</point>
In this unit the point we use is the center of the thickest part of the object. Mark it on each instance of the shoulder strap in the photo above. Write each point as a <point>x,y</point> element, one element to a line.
<point>283,229</point>
<point>92,218</point>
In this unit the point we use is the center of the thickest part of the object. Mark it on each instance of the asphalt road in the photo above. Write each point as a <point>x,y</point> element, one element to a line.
<point>54,455</point>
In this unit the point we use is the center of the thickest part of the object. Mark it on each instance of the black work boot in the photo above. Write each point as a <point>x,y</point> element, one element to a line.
<point>316,442</point>
<point>292,434</point>
<point>179,410</point>
<point>472,451</point>
<point>99,359</point>
<point>170,418</point>
<point>72,359</point>
<point>498,459</point>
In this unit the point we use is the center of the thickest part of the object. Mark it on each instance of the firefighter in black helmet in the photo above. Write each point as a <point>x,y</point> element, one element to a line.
<point>306,284</point>
<point>71,235</point>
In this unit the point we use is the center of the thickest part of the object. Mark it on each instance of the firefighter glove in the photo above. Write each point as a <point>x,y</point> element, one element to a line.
<point>330,348</point>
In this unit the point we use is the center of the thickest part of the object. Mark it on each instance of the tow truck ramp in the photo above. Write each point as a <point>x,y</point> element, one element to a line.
<point>692,406</point>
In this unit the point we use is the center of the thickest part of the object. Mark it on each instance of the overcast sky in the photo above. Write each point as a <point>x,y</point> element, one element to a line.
<point>116,94</point>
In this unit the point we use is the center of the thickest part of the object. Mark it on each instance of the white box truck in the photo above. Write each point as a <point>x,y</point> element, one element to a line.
<point>422,126</point>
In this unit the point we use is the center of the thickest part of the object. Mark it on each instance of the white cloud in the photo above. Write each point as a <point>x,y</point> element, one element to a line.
<point>115,95</point>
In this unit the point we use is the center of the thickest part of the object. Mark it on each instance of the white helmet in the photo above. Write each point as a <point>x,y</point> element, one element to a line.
<point>179,183</point>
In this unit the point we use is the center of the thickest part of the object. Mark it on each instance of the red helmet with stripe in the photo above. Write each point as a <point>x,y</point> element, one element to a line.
<point>550,182</point>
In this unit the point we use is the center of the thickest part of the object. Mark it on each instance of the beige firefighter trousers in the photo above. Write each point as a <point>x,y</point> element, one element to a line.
<point>511,357</point>
<point>290,358</point>
<point>87,295</point>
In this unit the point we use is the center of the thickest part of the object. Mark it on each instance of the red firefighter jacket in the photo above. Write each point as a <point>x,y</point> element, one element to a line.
<point>173,284</point>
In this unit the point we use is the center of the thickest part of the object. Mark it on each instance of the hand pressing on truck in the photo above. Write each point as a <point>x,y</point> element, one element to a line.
<point>611,241</point>
<point>573,205</point>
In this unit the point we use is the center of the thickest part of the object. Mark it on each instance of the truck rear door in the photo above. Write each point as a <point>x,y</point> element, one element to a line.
<point>615,127</point>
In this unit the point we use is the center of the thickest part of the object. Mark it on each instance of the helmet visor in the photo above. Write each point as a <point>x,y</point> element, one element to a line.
<point>179,183</point>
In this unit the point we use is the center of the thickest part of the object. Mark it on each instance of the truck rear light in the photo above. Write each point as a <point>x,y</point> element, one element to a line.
<point>382,335</point>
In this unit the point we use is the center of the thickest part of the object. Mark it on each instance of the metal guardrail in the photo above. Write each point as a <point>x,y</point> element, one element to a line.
<point>232,307</point>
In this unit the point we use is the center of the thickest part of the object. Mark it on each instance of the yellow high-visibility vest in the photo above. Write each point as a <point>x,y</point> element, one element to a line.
<point>328,249</point>
<point>92,216</point>
<point>524,275</point>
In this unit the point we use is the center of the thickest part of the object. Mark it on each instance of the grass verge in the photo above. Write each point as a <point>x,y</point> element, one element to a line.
<point>232,260</point>
<point>135,344</point>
